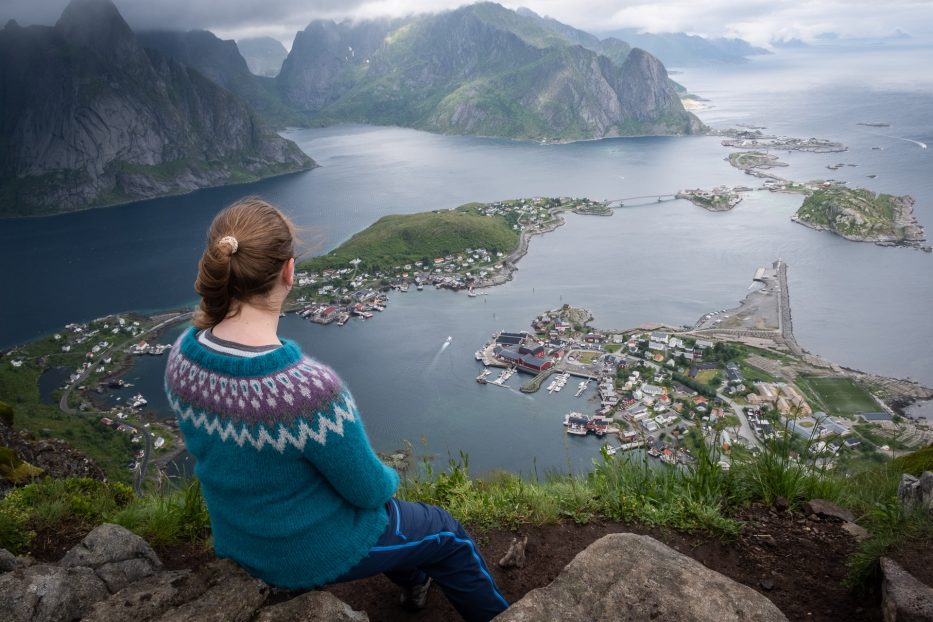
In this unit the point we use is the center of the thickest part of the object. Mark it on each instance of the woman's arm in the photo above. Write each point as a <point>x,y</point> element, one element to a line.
<point>338,447</point>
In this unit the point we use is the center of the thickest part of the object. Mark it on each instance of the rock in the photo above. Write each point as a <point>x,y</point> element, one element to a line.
<point>515,556</point>
<point>824,509</point>
<point>856,531</point>
<point>150,598</point>
<point>9,562</point>
<point>311,607</point>
<point>916,492</point>
<point>47,593</point>
<point>766,584</point>
<point>904,598</point>
<point>624,577</point>
<point>781,504</point>
<point>117,575</point>
<point>233,596</point>
<point>109,543</point>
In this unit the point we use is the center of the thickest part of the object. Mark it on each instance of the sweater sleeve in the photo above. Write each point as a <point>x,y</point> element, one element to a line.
<point>346,459</point>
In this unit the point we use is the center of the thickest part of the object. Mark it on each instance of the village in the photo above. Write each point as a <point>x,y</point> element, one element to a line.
<point>337,295</point>
<point>669,391</point>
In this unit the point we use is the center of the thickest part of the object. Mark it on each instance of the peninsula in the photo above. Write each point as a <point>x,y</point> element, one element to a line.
<point>737,379</point>
<point>473,246</point>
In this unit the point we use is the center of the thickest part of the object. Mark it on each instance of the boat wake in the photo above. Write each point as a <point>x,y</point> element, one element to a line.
<point>909,140</point>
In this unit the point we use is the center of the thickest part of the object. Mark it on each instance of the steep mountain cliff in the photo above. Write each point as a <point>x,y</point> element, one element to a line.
<point>91,118</point>
<point>481,69</point>
<point>220,61</point>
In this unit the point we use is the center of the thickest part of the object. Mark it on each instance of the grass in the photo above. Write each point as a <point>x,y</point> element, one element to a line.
<point>838,396</point>
<point>705,376</point>
<point>177,515</point>
<point>700,498</point>
<point>398,240</point>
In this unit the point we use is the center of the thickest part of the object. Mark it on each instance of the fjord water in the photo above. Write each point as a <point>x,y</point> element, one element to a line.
<point>857,304</point>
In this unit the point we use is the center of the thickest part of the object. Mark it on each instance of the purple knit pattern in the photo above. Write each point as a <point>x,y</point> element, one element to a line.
<point>277,398</point>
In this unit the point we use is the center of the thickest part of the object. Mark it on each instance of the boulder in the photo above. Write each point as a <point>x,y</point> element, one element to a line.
<point>49,593</point>
<point>904,598</point>
<point>311,607</point>
<point>107,544</point>
<point>624,577</point>
<point>827,509</point>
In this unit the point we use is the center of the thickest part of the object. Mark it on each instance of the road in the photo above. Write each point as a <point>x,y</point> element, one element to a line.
<point>139,477</point>
<point>745,428</point>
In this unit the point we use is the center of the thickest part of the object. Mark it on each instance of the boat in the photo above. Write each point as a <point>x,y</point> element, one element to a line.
<point>403,288</point>
<point>482,377</point>
<point>420,287</point>
<point>137,400</point>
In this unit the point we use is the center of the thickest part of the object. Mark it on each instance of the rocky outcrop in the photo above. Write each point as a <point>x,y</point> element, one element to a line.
<point>91,118</point>
<point>904,598</point>
<point>916,492</point>
<point>481,69</point>
<point>114,576</point>
<point>630,577</point>
<point>46,457</point>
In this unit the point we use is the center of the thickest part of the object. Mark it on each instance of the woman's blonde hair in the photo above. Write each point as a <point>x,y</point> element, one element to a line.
<point>247,245</point>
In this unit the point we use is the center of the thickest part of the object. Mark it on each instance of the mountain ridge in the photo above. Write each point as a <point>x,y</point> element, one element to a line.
<point>481,69</point>
<point>91,118</point>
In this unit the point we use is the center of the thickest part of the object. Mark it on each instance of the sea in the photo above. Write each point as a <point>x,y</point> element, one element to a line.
<point>411,368</point>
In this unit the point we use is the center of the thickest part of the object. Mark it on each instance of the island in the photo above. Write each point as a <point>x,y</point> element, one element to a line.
<point>861,215</point>
<point>856,214</point>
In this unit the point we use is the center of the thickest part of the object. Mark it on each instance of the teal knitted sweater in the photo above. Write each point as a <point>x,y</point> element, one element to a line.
<point>295,493</point>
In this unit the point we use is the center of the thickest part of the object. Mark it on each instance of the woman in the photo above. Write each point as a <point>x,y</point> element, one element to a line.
<point>295,493</point>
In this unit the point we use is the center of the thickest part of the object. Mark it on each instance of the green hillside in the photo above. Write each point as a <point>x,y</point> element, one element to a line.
<point>397,240</point>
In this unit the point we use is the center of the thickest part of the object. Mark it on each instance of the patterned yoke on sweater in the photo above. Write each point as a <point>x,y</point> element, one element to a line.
<point>295,493</point>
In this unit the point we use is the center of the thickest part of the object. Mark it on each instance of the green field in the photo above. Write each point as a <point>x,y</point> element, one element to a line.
<point>395,240</point>
<point>837,396</point>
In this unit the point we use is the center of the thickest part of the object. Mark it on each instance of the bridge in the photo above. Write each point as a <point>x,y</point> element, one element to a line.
<point>657,198</point>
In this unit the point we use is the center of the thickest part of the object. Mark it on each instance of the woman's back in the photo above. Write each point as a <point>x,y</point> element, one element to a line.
<point>280,453</point>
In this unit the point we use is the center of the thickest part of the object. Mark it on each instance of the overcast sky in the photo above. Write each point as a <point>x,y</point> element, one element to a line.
<point>758,21</point>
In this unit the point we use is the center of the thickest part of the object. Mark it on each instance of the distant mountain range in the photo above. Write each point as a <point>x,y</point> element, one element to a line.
<point>683,50</point>
<point>94,114</point>
<point>91,118</point>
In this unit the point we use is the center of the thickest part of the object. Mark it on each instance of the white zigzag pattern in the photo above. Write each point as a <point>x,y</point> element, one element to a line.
<point>213,425</point>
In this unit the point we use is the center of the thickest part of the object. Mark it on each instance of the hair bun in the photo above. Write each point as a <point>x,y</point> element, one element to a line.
<point>229,241</point>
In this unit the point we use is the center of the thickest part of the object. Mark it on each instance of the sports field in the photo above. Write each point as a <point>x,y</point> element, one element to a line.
<point>837,396</point>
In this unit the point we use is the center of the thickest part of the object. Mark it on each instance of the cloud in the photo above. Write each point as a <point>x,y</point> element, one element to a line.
<point>759,21</point>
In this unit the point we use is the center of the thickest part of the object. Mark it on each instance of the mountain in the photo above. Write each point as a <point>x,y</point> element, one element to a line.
<point>220,61</point>
<point>263,55</point>
<point>481,69</point>
<point>682,50</point>
<point>92,118</point>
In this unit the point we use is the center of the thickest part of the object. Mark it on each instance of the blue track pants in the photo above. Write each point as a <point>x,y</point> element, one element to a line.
<point>422,541</point>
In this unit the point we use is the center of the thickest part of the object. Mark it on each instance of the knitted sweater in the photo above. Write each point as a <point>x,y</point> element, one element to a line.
<point>295,493</point>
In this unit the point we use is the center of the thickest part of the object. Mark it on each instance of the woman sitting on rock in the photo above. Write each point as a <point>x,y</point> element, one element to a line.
<point>295,493</point>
